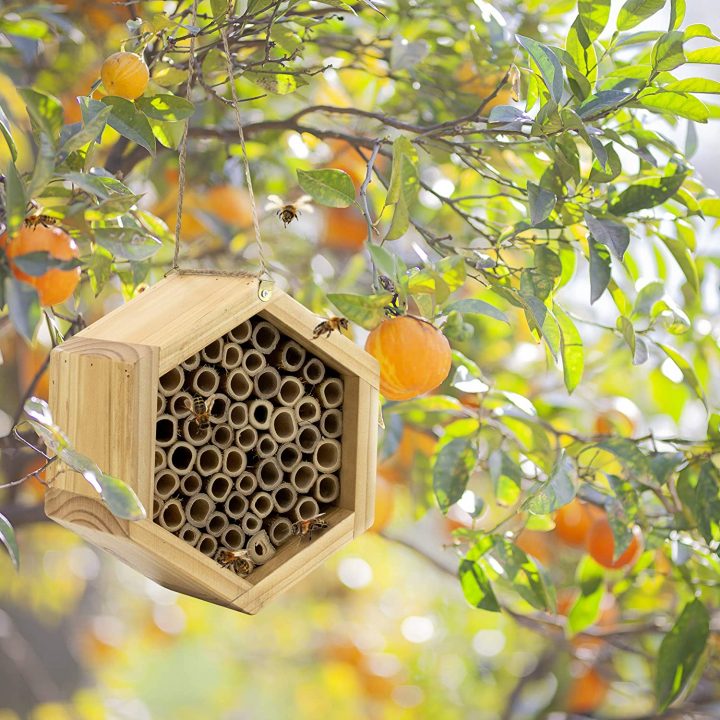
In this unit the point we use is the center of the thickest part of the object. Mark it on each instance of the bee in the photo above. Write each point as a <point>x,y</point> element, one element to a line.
<point>32,221</point>
<point>201,409</point>
<point>237,560</point>
<point>305,528</point>
<point>287,212</point>
<point>326,327</point>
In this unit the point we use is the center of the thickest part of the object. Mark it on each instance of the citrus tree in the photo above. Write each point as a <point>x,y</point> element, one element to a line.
<point>502,194</point>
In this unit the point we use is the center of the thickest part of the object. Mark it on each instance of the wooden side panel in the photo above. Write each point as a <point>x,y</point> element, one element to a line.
<point>102,394</point>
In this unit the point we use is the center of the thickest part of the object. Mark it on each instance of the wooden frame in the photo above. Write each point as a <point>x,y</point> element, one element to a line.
<point>103,386</point>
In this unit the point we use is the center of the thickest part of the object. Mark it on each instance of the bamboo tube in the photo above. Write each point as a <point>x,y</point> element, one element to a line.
<point>241,333</point>
<point>166,430</point>
<point>219,487</point>
<point>253,361</point>
<point>236,505</point>
<point>209,460</point>
<point>193,433</point>
<point>279,530</point>
<point>189,534</point>
<point>246,483</point>
<point>307,438</point>
<point>266,446</point>
<point>157,506</point>
<point>267,383</point>
<point>288,356</point>
<point>172,381</point>
<point>246,438</point>
<point>232,537</point>
<point>237,415</point>
<point>167,483</point>
<point>250,523</point>
<point>306,508</point>
<point>192,363</point>
<point>171,517</point>
<point>216,524</point>
<point>291,390</point>
<point>213,353</point>
<point>160,460</point>
<point>232,355</point>
<point>234,461</point>
<point>261,504</point>
<point>268,474</point>
<point>205,381</point>
<point>327,488</point>
<point>331,423</point>
<point>222,436</point>
<point>181,457</point>
<point>180,405</point>
<point>219,407</point>
<point>303,477</point>
<point>327,456</point>
<point>283,425</point>
<point>160,402</point>
<point>284,497</point>
<point>198,508</point>
<point>265,337</point>
<point>331,392</point>
<point>190,484</point>
<point>259,548</point>
<point>289,455</point>
<point>238,384</point>
<point>313,371</point>
<point>307,410</point>
<point>260,412</point>
<point>207,544</point>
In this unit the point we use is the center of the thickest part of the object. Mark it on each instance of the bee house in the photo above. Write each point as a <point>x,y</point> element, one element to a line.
<point>251,445</point>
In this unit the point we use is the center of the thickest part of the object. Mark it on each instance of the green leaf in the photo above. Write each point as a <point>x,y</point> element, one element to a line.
<point>599,269</point>
<point>549,64</point>
<point>16,199</point>
<point>581,49</point>
<point>523,574</point>
<point>474,580</point>
<point>38,263</point>
<point>594,15</point>
<point>166,107</point>
<point>23,306</point>
<point>556,491</point>
<point>685,260</point>
<point>477,307</point>
<point>571,349</point>
<point>367,311</point>
<point>601,102</point>
<point>5,130</point>
<point>677,13</point>
<point>541,319</point>
<point>89,132</point>
<point>126,119</point>
<point>45,111</point>
<point>633,12</point>
<point>694,85</point>
<point>585,610</point>
<point>44,166</point>
<point>674,103</point>
<point>7,538</point>
<point>329,186</point>
<point>400,220</point>
<point>706,503</point>
<point>127,242</point>
<point>220,8</point>
<point>403,186</point>
<point>277,83</point>
<point>542,203</point>
<point>628,453</point>
<point>622,513</point>
<point>704,56</point>
<point>668,53</point>
<point>384,260</point>
<point>646,194</point>
<point>636,345</point>
<point>680,653</point>
<point>609,232</point>
<point>691,379</point>
<point>451,471</point>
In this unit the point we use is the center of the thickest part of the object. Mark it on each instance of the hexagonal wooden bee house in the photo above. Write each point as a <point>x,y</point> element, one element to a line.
<point>251,444</point>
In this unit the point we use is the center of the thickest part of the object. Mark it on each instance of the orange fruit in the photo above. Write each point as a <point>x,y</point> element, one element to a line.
<point>414,356</point>
<point>384,504</point>
<point>413,443</point>
<point>601,545</point>
<point>587,691</point>
<point>344,229</point>
<point>535,543</point>
<point>29,361</point>
<point>55,286</point>
<point>125,75</point>
<point>230,204</point>
<point>572,523</point>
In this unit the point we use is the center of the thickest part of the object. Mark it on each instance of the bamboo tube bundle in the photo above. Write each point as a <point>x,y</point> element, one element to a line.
<point>288,356</point>
<point>260,412</point>
<point>194,433</point>
<point>172,381</point>
<point>266,446</point>
<point>259,548</point>
<point>181,457</point>
<point>198,509</point>
<point>240,334</point>
<point>160,459</point>
<point>307,410</point>
<point>172,517</point>
<point>234,461</point>
<point>330,392</point>
<point>283,425</point>
<point>237,505</point>
<point>219,408</point>
<point>192,363</point>
<point>167,483</point>
<point>238,384</point>
<point>246,483</point>
<point>267,383</point>
<point>279,530</point>
<point>213,353</point>
<point>307,438</point>
<point>327,488</point>
<point>246,438</point>
<point>327,455</point>
<point>190,484</point>
<point>157,506</point>
<point>331,424</point>
<point>251,523</point>
<point>237,415</point>
<point>160,403</point>
<point>290,391</point>
<point>303,477</point>
<point>209,460</point>
<point>253,361</point>
<point>288,456</point>
<point>217,523</point>
<point>261,504</point>
<point>205,381</point>
<point>284,497</point>
<point>180,405</point>
<point>207,544</point>
<point>233,538</point>
<point>306,508</point>
<point>313,371</point>
<point>265,337</point>
<point>189,533</point>
<point>218,487</point>
<point>223,436</point>
<point>166,430</point>
<point>232,355</point>
<point>268,474</point>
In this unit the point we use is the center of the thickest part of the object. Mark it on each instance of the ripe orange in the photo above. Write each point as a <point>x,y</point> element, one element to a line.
<point>414,356</point>
<point>572,523</point>
<point>344,229</point>
<point>536,544</point>
<point>125,75</point>
<point>384,504</point>
<point>55,286</point>
<point>230,204</point>
<point>414,443</point>
<point>587,691</point>
<point>601,545</point>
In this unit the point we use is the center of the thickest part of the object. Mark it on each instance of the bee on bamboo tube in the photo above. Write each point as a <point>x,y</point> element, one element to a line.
<point>305,528</point>
<point>200,408</point>
<point>287,212</point>
<point>327,327</point>
<point>237,560</point>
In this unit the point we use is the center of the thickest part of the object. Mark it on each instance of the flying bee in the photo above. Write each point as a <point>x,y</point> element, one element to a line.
<point>201,409</point>
<point>305,528</point>
<point>327,327</point>
<point>32,221</point>
<point>237,560</point>
<point>287,212</point>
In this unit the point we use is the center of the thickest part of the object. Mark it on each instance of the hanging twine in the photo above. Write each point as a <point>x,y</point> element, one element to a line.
<point>265,284</point>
